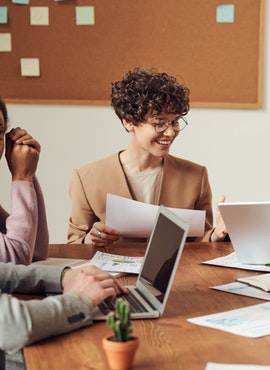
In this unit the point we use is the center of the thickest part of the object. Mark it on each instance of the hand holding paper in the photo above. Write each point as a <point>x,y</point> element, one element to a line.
<point>136,219</point>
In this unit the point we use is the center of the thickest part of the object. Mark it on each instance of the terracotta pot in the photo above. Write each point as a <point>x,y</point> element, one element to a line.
<point>120,355</point>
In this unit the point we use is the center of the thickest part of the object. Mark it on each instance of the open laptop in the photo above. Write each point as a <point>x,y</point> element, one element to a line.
<point>248,225</point>
<point>160,263</point>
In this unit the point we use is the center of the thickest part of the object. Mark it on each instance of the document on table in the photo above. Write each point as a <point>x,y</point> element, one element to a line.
<point>251,321</point>
<point>243,289</point>
<point>231,261</point>
<point>216,366</point>
<point>114,263</point>
<point>136,219</point>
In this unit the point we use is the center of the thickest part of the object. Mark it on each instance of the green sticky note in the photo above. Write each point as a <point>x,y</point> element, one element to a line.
<point>3,14</point>
<point>25,2</point>
<point>225,13</point>
<point>85,15</point>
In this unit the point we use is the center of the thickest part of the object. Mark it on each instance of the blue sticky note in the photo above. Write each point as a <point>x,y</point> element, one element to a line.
<point>225,13</point>
<point>24,2</point>
<point>85,15</point>
<point>3,14</point>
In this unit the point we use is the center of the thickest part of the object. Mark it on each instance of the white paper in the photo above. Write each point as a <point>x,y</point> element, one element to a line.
<point>251,321</point>
<point>243,289</point>
<point>231,261</point>
<point>114,263</point>
<point>216,366</point>
<point>136,219</point>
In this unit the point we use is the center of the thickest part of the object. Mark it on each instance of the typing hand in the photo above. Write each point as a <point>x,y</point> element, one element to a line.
<point>91,282</point>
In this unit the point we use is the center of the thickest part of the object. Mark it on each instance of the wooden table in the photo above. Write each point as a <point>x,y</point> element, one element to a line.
<point>169,342</point>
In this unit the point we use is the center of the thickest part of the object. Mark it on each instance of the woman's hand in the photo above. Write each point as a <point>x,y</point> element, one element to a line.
<point>22,154</point>
<point>101,235</point>
<point>220,230</point>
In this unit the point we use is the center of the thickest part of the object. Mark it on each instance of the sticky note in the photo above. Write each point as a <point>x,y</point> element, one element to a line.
<point>85,15</point>
<point>5,42</point>
<point>25,2</point>
<point>39,15</point>
<point>3,14</point>
<point>225,13</point>
<point>30,67</point>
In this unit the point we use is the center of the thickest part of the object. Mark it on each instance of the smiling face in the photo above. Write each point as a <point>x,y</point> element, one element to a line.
<point>146,140</point>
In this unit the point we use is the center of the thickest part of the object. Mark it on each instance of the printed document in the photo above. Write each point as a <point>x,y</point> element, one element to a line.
<point>231,261</point>
<point>251,321</point>
<point>136,219</point>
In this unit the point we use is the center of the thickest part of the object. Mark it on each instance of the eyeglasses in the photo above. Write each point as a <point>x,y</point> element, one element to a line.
<point>177,125</point>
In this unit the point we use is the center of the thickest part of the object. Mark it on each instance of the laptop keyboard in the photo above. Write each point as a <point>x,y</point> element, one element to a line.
<point>135,305</point>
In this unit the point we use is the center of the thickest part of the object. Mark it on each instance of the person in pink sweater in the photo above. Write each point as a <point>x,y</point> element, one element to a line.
<point>23,233</point>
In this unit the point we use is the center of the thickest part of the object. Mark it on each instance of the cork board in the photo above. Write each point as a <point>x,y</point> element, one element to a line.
<point>217,53</point>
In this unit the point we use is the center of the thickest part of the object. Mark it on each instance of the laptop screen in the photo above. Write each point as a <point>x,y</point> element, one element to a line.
<point>161,256</point>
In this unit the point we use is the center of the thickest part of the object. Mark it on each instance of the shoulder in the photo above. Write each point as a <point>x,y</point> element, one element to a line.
<point>184,164</point>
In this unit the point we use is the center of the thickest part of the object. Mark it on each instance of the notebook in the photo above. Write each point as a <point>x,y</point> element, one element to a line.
<point>160,263</point>
<point>248,225</point>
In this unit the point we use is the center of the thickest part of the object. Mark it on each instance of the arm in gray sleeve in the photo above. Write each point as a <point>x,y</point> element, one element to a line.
<point>25,322</point>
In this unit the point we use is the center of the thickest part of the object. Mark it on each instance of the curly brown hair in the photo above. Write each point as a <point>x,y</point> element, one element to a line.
<point>143,92</point>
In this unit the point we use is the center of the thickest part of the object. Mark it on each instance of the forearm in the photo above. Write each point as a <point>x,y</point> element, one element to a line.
<point>30,279</point>
<point>82,215</point>
<point>25,322</point>
<point>18,243</point>
<point>42,236</point>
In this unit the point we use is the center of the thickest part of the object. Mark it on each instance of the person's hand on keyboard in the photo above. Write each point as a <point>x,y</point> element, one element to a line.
<point>91,282</point>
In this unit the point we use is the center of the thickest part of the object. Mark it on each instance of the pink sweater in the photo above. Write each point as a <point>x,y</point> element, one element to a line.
<point>24,234</point>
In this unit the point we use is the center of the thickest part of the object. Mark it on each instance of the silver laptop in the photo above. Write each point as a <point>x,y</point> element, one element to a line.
<point>248,225</point>
<point>164,249</point>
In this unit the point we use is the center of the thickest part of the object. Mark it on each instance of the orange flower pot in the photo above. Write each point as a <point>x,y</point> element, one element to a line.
<point>120,355</point>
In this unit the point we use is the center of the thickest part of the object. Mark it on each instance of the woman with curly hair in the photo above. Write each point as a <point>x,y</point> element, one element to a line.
<point>151,107</point>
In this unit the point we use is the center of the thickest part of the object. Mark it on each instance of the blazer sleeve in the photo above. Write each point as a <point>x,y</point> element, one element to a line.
<point>25,322</point>
<point>82,216</point>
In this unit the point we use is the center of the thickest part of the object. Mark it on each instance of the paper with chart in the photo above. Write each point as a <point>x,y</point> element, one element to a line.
<point>136,219</point>
<point>115,264</point>
<point>251,321</point>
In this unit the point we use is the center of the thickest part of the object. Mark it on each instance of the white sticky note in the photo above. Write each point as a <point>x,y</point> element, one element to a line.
<point>225,13</point>
<point>30,67</point>
<point>5,42</point>
<point>39,15</point>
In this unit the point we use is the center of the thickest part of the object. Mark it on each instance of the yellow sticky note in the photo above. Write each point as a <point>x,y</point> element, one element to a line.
<point>30,67</point>
<point>5,42</point>
<point>39,15</point>
<point>85,15</point>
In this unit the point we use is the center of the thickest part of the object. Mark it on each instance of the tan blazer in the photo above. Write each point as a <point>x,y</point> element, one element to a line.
<point>184,185</point>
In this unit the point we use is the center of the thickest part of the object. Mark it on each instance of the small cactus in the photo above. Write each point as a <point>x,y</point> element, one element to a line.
<point>119,321</point>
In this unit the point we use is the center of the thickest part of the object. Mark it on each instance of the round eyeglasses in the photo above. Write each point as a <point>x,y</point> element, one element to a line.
<point>177,125</point>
